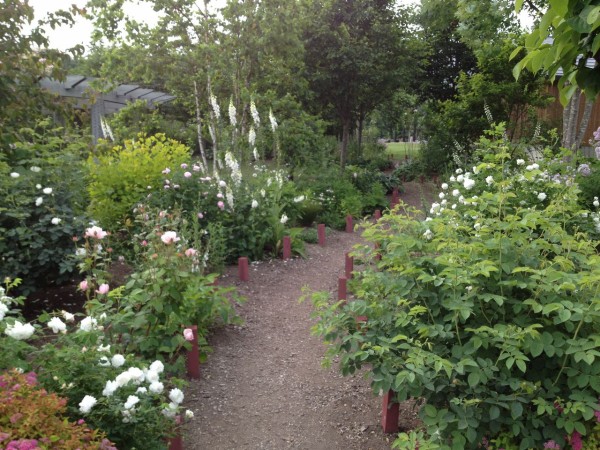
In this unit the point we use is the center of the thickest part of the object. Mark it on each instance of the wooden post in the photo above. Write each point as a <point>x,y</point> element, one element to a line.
<point>287,247</point>
<point>176,442</point>
<point>321,234</point>
<point>243,271</point>
<point>349,225</point>
<point>193,355</point>
<point>342,288</point>
<point>390,413</point>
<point>377,214</point>
<point>349,266</point>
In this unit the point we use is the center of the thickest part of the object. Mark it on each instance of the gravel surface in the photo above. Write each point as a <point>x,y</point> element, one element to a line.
<point>264,387</point>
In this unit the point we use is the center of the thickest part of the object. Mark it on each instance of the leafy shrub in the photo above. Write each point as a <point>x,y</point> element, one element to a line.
<point>85,364</point>
<point>335,192</point>
<point>410,170</point>
<point>488,309</point>
<point>124,175</point>
<point>251,209</point>
<point>42,187</point>
<point>28,412</point>
<point>167,291</point>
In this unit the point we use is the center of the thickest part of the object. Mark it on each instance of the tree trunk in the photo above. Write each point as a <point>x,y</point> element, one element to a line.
<point>585,120</point>
<point>361,124</point>
<point>570,127</point>
<point>345,138</point>
<point>199,125</point>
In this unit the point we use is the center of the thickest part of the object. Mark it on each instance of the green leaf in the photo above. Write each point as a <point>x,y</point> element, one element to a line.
<point>494,412</point>
<point>521,365</point>
<point>536,348</point>
<point>473,379</point>
<point>516,410</point>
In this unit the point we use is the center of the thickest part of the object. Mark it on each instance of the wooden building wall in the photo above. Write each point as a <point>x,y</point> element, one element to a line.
<point>552,114</point>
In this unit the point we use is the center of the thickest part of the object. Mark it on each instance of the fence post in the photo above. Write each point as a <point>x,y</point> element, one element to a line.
<point>193,355</point>
<point>287,247</point>
<point>349,225</point>
<point>243,270</point>
<point>349,267</point>
<point>342,288</point>
<point>390,413</point>
<point>321,234</point>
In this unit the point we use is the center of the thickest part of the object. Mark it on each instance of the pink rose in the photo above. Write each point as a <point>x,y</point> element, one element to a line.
<point>95,232</point>
<point>144,243</point>
<point>169,237</point>
<point>188,334</point>
<point>219,195</point>
<point>184,166</point>
<point>166,171</point>
<point>103,288</point>
<point>221,205</point>
<point>200,216</point>
<point>83,285</point>
<point>190,252</point>
<point>187,174</point>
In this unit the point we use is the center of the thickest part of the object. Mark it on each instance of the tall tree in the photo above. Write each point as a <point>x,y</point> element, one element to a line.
<point>353,57</point>
<point>447,56</point>
<point>25,57</point>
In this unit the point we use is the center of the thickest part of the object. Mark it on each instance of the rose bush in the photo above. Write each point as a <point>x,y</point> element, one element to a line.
<point>489,309</point>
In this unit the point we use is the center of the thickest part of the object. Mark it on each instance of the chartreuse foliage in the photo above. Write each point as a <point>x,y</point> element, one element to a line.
<point>122,176</point>
<point>489,310</point>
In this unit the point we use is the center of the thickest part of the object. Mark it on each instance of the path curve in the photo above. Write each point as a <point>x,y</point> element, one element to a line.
<point>263,387</point>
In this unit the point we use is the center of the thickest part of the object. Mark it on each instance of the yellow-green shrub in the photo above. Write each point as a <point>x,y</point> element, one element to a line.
<point>124,175</point>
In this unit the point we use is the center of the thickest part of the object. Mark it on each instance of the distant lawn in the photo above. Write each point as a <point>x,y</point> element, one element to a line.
<point>400,149</point>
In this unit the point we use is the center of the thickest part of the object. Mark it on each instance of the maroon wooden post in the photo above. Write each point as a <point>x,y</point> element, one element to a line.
<point>422,178</point>
<point>342,288</point>
<point>349,267</point>
<point>321,234</point>
<point>176,442</point>
<point>377,214</point>
<point>395,196</point>
<point>349,225</point>
<point>390,413</point>
<point>287,247</point>
<point>193,355</point>
<point>243,271</point>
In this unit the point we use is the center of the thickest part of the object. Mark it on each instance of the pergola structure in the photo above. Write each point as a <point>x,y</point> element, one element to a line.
<point>83,95</point>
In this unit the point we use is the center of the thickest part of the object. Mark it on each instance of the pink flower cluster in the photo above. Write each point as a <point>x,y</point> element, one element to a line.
<point>95,232</point>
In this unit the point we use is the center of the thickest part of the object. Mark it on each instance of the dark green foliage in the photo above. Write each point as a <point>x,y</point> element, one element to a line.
<point>41,181</point>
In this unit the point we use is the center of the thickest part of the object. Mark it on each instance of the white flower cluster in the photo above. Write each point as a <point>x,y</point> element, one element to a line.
<point>176,397</point>
<point>232,113</point>
<point>215,106</point>
<point>19,331</point>
<point>254,113</point>
<point>272,120</point>
<point>251,136</point>
<point>234,167</point>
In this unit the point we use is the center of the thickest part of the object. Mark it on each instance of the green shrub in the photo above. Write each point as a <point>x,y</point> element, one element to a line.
<point>42,184</point>
<point>488,310</point>
<point>125,175</point>
<point>410,170</point>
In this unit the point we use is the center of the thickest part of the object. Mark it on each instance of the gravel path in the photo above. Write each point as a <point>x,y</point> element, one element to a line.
<point>263,387</point>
